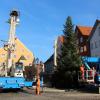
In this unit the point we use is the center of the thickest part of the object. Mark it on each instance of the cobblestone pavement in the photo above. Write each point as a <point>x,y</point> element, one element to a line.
<point>29,95</point>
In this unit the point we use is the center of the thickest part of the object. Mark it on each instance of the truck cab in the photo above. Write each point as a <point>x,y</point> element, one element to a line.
<point>19,69</point>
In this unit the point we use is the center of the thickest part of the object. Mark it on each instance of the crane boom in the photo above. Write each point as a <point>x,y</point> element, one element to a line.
<point>11,42</point>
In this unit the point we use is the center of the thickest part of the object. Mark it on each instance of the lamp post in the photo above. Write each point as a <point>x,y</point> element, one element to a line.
<point>40,70</point>
<point>37,66</point>
<point>42,73</point>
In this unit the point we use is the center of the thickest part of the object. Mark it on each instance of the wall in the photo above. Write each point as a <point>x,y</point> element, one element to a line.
<point>95,42</point>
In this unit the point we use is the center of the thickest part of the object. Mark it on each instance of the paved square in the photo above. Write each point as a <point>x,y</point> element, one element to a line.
<point>29,95</point>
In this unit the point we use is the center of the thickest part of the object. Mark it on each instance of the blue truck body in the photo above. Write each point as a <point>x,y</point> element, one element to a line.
<point>14,82</point>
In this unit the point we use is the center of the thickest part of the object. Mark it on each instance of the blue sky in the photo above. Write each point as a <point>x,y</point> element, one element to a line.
<point>41,21</point>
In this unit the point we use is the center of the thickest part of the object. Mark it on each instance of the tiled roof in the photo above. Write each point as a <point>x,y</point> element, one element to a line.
<point>61,38</point>
<point>85,30</point>
<point>51,58</point>
<point>94,28</point>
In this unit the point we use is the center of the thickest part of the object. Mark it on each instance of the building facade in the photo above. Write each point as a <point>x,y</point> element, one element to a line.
<point>94,40</point>
<point>57,48</point>
<point>83,33</point>
<point>51,63</point>
<point>21,51</point>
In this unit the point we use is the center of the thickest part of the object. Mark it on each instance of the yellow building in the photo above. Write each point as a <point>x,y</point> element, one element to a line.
<point>21,51</point>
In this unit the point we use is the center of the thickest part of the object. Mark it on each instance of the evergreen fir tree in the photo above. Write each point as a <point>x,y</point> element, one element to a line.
<point>68,61</point>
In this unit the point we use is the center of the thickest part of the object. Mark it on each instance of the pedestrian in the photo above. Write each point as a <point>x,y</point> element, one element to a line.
<point>38,86</point>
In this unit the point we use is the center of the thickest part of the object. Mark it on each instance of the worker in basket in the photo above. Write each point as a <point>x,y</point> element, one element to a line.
<point>38,85</point>
<point>82,71</point>
<point>91,73</point>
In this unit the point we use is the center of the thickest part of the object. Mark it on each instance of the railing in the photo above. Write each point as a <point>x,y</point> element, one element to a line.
<point>87,76</point>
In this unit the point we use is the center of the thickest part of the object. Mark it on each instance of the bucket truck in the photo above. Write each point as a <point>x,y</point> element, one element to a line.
<point>12,76</point>
<point>90,77</point>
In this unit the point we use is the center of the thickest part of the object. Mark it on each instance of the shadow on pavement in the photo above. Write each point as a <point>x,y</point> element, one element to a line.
<point>28,91</point>
<point>89,89</point>
<point>85,89</point>
<point>9,90</point>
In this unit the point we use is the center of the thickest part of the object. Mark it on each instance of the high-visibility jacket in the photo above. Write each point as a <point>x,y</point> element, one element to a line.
<point>38,82</point>
<point>82,69</point>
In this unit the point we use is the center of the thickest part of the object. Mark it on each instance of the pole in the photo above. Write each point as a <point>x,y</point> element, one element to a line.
<point>38,70</point>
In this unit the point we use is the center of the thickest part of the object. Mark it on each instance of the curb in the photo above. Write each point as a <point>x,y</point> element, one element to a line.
<point>53,90</point>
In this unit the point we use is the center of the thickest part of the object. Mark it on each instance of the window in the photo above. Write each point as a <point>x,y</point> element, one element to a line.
<point>99,43</point>
<point>81,39</point>
<point>95,55</point>
<point>96,44</point>
<point>0,64</point>
<point>14,56</point>
<point>85,48</point>
<point>91,46</point>
<point>81,49</point>
<point>3,55</point>
<point>22,50</point>
<point>28,56</point>
<point>77,41</point>
<point>78,50</point>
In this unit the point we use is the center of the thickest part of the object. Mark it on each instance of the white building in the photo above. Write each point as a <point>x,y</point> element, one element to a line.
<point>51,63</point>
<point>94,40</point>
<point>57,48</point>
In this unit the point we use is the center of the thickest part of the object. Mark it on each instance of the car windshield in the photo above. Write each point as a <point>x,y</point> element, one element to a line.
<point>19,67</point>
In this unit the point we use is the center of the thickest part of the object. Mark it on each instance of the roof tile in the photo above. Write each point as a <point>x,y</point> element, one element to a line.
<point>85,30</point>
<point>61,38</point>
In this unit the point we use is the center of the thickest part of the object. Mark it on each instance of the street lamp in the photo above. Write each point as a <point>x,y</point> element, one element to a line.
<point>42,73</point>
<point>37,61</point>
<point>37,66</point>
